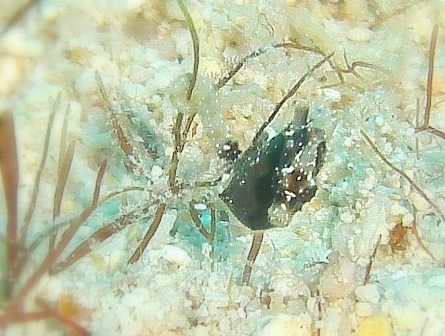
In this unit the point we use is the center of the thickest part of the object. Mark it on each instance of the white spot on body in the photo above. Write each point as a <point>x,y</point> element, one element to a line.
<point>200,206</point>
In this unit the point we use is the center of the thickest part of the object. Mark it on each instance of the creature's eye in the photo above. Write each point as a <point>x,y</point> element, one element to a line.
<point>229,151</point>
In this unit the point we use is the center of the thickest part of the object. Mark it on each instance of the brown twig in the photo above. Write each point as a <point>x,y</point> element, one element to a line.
<point>65,239</point>
<point>179,139</point>
<point>119,192</point>
<point>176,151</point>
<point>436,132</point>
<point>195,40</point>
<point>74,326</point>
<point>291,92</point>
<point>351,68</point>
<point>429,82</point>
<point>251,257</point>
<point>314,50</point>
<point>212,224</point>
<point>9,168</point>
<point>205,184</point>
<point>404,175</point>
<point>123,141</point>
<point>208,235</point>
<point>60,187</point>
<point>223,81</point>
<point>371,261</point>
<point>291,45</point>
<point>55,228</point>
<point>63,137</point>
<point>96,238</point>
<point>150,233</point>
<point>35,192</point>
<point>429,88</point>
<point>320,311</point>
<point>186,131</point>
<point>62,179</point>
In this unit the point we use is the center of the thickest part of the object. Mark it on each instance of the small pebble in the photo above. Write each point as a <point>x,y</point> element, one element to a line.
<point>288,325</point>
<point>359,34</point>
<point>407,220</point>
<point>176,255</point>
<point>419,202</point>
<point>363,309</point>
<point>397,209</point>
<point>369,293</point>
<point>156,172</point>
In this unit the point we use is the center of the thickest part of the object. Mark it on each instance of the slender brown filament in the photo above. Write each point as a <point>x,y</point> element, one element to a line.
<point>123,141</point>
<point>429,82</point>
<point>65,239</point>
<point>371,261</point>
<point>195,40</point>
<point>404,175</point>
<point>251,257</point>
<point>291,92</point>
<point>35,192</point>
<point>9,170</point>
<point>150,233</point>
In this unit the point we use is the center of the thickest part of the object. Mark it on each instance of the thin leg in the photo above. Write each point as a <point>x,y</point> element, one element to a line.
<point>253,253</point>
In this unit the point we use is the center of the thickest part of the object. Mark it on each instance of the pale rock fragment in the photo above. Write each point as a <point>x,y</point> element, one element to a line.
<point>384,130</point>
<point>334,322</point>
<point>176,255</point>
<point>338,279</point>
<point>407,220</point>
<point>349,141</point>
<point>368,293</point>
<point>276,302</point>
<point>347,217</point>
<point>363,309</point>
<point>419,202</point>
<point>332,95</point>
<point>379,121</point>
<point>288,325</point>
<point>216,299</point>
<point>359,34</point>
<point>371,180</point>
<point>156,172</point>
<point>284,286</point>
<point>115,260</point>
<point>397,210</point>
<point>406,317</point>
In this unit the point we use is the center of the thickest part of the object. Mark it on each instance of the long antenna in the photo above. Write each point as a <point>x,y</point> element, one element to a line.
<point>191,26</point>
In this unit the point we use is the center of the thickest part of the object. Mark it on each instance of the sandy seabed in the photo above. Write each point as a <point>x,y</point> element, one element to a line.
<point>312,276</point>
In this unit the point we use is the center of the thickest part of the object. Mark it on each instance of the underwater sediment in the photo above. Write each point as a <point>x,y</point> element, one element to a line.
<point>145,172</point>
